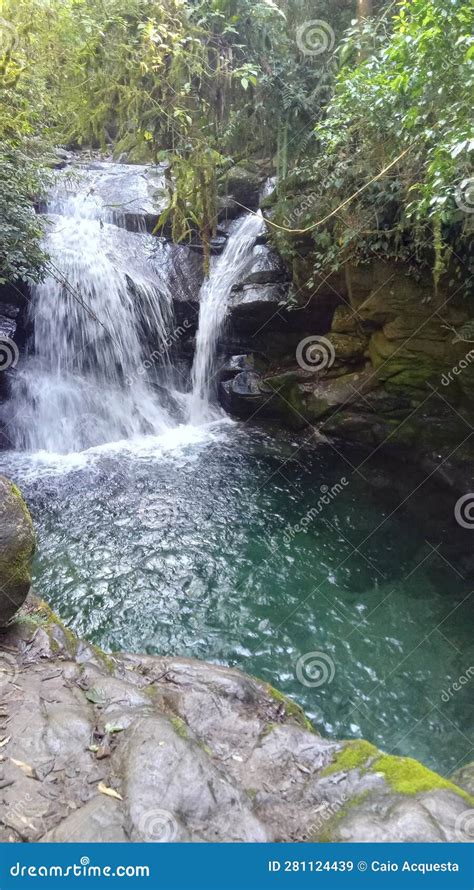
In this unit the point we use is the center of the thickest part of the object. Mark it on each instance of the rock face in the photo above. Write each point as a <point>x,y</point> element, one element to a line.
<point>17,545</point>
<point>134,195</point>
<point>141,748</point>
<point>398,372</point>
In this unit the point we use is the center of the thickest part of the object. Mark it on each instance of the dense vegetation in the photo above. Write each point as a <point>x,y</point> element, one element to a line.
<point>326,104</point>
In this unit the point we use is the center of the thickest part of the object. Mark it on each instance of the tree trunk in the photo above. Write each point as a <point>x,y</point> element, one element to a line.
<point>364,9</point>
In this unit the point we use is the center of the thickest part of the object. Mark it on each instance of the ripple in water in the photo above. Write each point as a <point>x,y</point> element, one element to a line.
<point>188,544</point>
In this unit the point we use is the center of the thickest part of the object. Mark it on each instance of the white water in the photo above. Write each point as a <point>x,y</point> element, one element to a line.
<point>214,300</point>
<point>84,382</point>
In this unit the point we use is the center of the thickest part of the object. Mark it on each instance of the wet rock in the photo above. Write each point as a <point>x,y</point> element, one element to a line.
<point>134,195</point>
<point>266,267</point>
<point>242,186</point>
<point>244,394</point>
<point>464,777</point>
<point>235,364</point>
<point>197,752</point>
<point>17,545</point>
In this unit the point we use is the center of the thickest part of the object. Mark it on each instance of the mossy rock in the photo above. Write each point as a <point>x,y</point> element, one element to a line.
<point>403,774</point>
<point>243,185</point>
<point>17,546</point>
<point>348,347</point>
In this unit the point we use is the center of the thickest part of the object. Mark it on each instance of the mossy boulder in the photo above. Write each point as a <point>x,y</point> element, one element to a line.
<point>242,185</point>
<point>17,546</point>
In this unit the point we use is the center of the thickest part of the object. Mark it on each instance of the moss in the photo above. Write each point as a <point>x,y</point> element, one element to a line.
<point>179,727</point>
<point>106,660</point>
<point>15,561</point>
<point>44,614</point>
<point>22,503</point>
<point>354,755</point>
<point>268,729</point>
<point>408,776</point>
<point>403,774</point>
<point>291,708</point>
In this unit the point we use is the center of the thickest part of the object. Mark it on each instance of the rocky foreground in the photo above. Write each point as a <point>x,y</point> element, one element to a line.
<point>100,748</point>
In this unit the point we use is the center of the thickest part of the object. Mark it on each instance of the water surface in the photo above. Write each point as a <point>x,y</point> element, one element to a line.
<point>188,544</point>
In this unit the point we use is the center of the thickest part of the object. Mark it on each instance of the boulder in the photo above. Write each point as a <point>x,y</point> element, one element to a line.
<point>267,267</point>
<point>241,185</point>
<point>165,749</point>
<point>235,364</point>
<point>17,546</point>
<point>244,394</point>
<point>464,777</point>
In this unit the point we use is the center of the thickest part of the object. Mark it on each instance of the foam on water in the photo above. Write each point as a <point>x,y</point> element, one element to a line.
<point>93,318</point>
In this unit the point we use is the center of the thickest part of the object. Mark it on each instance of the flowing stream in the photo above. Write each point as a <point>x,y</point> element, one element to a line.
<point>207,538</point>
<point>80,386</point>
<point>214,298</point>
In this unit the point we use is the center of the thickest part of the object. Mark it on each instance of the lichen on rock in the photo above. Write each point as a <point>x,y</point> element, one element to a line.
<point>17,546</point>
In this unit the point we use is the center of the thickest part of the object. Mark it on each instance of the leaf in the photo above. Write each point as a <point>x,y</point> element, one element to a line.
<point>96,695</point>
<point>25,767</point>
<point>110,792</point>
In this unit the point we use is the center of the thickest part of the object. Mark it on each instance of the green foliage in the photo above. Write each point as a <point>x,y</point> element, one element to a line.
<point>21,256</point>
<point>411,89</point>
<point>205,83</point>
<point>196,83</point>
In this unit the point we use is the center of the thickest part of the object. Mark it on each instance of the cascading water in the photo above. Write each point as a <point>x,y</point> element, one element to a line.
<point>105,306</point>
<point>83,383</point>
<point>214,300</point>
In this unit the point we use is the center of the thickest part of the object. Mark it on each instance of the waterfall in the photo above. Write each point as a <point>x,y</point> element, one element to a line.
<point>214,300</point>
<point>105,297</point>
